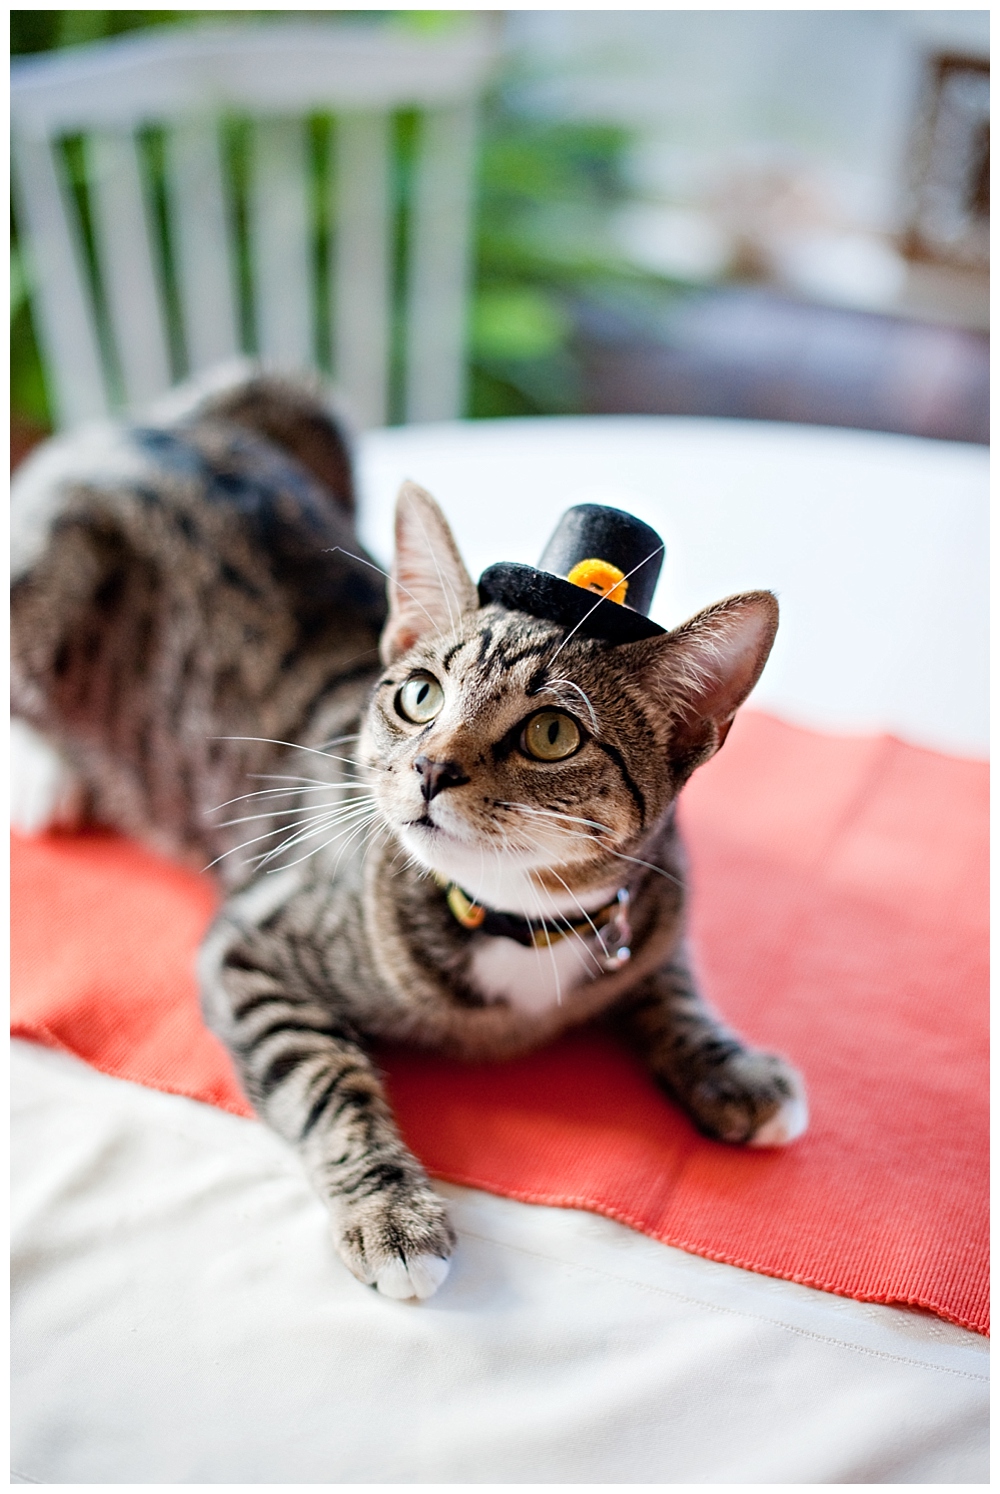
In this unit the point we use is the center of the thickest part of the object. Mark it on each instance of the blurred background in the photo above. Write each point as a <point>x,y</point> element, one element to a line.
<point>777,215</point>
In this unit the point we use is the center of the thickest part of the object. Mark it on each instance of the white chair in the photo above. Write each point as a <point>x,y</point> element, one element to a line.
<point>108,286</point>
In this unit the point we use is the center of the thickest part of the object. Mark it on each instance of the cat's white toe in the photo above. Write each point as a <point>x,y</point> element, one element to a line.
<point>787,1125</point>
<point>419,1277</point>
<point>45,793</point>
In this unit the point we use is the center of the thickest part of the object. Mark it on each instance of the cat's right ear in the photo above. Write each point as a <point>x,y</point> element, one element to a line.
<point>429,588</point>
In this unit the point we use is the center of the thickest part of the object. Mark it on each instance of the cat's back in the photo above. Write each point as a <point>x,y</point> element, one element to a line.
<point>184,580</point>
<point>259,465</point>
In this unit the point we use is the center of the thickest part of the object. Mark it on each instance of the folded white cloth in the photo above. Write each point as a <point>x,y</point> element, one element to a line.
<point>180,1317</point>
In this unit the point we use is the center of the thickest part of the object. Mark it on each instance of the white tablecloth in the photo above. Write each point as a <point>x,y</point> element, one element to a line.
<point>878,546</point>
<point>179,1313</point>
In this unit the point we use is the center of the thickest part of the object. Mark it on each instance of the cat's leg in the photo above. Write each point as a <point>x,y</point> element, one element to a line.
<point>308,1075</point>
<point>46,792</point>
<point>731,1092</point>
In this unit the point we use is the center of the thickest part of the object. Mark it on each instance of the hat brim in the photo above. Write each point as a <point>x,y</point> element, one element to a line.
<point>522,588</point>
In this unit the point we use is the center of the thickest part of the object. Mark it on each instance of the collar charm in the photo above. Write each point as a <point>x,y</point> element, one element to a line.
<point>616,936</point>
<point>469,914</point>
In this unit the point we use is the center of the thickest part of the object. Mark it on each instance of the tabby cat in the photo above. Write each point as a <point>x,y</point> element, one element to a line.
<point>211,665</point>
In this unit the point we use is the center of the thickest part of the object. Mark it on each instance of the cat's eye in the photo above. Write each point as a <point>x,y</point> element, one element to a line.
<point>550,735</point>
<point>420,699</point>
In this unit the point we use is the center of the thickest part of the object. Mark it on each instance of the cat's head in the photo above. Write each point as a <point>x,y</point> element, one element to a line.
<point>508,756</point>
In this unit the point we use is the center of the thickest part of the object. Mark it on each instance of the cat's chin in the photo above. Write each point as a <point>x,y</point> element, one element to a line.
<point>429,841</point>
<point>443,852</point>
<point>500,879</point>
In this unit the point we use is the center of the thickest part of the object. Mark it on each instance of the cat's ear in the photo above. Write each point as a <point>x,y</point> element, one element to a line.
<point>429,588</point>
<point>706,669</point>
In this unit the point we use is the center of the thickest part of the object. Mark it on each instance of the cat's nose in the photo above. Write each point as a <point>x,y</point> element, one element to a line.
<point>434,777</point>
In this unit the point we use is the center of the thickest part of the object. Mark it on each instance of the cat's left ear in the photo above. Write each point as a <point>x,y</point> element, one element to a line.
<point>430,588</point>
<point>704,670</point>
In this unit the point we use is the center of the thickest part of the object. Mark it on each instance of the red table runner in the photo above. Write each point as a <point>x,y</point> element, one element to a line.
<point>839,915</point>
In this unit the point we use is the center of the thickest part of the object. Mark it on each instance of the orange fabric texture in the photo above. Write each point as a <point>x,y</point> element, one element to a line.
<point>839,915</point>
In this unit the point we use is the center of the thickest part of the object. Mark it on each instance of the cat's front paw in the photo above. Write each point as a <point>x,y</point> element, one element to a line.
<point>753,1099</point>
<point>397,1241</point>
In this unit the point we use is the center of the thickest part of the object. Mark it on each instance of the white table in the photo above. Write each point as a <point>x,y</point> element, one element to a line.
<point>876,545</point>
<point>179,1314</point>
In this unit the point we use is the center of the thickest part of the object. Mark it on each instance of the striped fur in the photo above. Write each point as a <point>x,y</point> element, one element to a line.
<point>197,635</point>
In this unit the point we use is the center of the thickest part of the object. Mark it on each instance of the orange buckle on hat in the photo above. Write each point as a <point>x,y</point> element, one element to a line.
<point>600,577</point>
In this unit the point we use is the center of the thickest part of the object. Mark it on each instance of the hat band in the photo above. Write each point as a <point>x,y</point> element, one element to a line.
<point>542,594</point>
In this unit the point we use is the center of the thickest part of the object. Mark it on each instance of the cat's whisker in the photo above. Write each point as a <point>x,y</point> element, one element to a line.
<point>556,814</point>
<point>302,833</point>
<point>560,918</point>
<point>592,610</point>
<point>265,793</point>
<point>297,778</point>
<point>342,778</point>
<point>548,943</point>
<point>365,829</point>
<point>394,864</point>
<point>377,830</point>
<point>291,811</point>
<point>597,932</point>
<point>578,835</point>
<point>343,775</point>
<point>350,736</point>
<point>285,845</point>
<point>309,811</point>
<point>537,948</point>
<point>316,849</point>
<point>315,826</point>
<point>288,818</point>
<point>573,933</point>
<point>637,861</point>
<point>254,840</point>
<point>332,757</point>
<point>554,828</point>
<point>446,589</point>
<point>372,566</point>
<point>554,686</point>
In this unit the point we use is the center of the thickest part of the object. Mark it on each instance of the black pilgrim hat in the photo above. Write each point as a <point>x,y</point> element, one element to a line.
<point>597,576</point>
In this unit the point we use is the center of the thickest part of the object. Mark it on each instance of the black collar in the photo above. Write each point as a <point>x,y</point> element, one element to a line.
<point>535,933</point>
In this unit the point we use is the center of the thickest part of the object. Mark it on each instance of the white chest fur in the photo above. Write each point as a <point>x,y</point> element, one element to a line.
<point>531,980</point>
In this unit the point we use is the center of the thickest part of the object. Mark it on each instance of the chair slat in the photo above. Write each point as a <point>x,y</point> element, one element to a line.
<point>128,265</point>
<point>202,243</point>
<point>440,265</point>
<point>61,300</point>
<point>281,238</point>
<point>362,283</point>
<point>279,70</point>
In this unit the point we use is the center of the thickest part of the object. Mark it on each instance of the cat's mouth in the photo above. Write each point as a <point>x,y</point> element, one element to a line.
<point>426,821</point>
<point>436,845</point>
<point>449,841</point>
